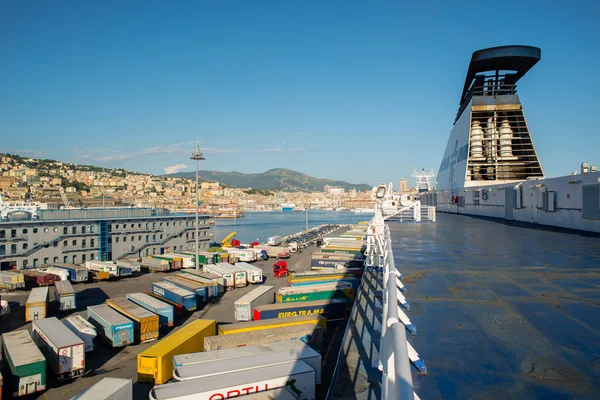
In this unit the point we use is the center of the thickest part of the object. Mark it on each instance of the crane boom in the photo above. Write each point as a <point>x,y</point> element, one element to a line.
<point>226,242</point>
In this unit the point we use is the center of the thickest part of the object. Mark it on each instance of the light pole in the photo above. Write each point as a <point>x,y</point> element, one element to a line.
<point>197,156</point>
<point>306,187</point>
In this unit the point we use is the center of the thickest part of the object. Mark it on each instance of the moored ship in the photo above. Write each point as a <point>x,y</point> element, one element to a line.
<point>490,167</point>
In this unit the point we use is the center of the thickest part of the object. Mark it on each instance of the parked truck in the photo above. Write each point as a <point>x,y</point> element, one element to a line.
<point>77,273</point>
<point>297,375</point>
<point>219,367</point>
<point>36,304</point>
<point>163,310</point>
<point>11,280</point>
<point>112,327</point>
<point>253,274</point>
<point>244,306</point>
<point>145,323</point>
<point>65,296</point>
<point>83,329</point>
<point>198,288</point>
<point>175,294</point>
<point>155,364</point>
<point>239,274</point>
<point>307,333</point>
<point>274,241</point>
<point>207,275</point>
<point>64,351</point>
<point>26,362</point>
<point>108,389</point>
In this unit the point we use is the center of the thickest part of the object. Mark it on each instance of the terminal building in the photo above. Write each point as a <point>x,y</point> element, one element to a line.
<point>32,238</point>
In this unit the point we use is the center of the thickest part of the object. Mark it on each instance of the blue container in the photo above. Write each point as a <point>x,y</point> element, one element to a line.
<point>333,310</point>
<point>111,326</point>
<point>198,288</point>
<point>177,295</point>
<point>355,282</point>
<point>163,310</point>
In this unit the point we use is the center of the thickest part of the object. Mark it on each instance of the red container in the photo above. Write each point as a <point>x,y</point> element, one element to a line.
<point>38,278</point>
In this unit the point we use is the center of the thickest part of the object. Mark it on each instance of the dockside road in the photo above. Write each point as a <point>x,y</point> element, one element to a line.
<point>122,363</point>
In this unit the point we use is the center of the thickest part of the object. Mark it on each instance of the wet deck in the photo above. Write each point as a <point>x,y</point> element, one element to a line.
<point>502,312</point>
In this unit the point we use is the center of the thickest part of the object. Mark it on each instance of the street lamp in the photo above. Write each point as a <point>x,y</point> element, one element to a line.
<point>306,187</point>
<point>197,156</point>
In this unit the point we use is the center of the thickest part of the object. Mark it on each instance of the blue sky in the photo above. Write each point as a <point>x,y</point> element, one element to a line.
<point>357,91</point>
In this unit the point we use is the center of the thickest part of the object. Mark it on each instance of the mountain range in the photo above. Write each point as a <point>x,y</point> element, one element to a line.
<point>273,179</point>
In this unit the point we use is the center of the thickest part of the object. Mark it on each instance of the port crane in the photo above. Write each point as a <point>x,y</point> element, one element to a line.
<point>227,242</point>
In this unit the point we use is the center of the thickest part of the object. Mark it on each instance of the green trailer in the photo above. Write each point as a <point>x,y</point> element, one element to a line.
<point>203,257</point>
<point>27,363</point>
<point>326,291</point>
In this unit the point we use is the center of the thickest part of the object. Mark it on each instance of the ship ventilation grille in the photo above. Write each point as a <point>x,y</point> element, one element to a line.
<point>501,147</point>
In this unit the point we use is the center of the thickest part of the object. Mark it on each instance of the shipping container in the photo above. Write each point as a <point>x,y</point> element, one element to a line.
<point>103,266</point>
<point>77,273</point>
<point>145,323</point>
<point>325,291</point>
<point>333,310</point>
<point>314,319</point>
<point>212,287</point>
<point>310,334</point>
<point>253,274</point>
<point>64,350</point>
<point>11,280</point>
<point>274,240</point>
<point>240,275</point>
<point>83,329</point>
<point>155,264</point>
<point>155,364</point>
<point>298,376</point>
<point>163,310</point>
<point>175,263</point>
<point>26,362</point>
<point>177,308</point>
<point>209,357</point>
<point>207,275</point>
<point>108,389</point>
<point>245,255</point>
<point>65,296</point>
<point>226,274</point>
<point>244,305</point>
<point>123,271</point>
<point>263,359</point>
<point>355,282</point>
<point>198,288</point>
<point>37,278</point>
<point>111,326</point>
<point>175,294</point>
<point>187,261</point>
<point>133,265</point>
<point>36,304</point>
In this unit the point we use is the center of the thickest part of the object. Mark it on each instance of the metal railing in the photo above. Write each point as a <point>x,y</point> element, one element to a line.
<point>395,352</point>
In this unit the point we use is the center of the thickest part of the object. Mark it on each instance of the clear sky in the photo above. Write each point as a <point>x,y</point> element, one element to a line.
<point>358,91</point>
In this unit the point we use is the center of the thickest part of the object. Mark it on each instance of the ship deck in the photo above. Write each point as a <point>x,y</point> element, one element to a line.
<point>502,311</point>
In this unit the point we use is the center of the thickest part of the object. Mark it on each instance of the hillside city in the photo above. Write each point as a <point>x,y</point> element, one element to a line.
<point>60,184</point>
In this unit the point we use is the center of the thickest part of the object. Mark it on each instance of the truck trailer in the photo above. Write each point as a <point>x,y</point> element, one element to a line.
<point>65,296</point>
<point>111,326</point>
<point>83,329</point>
<point>145,323</point>
<point>26,362</point>
<point>243,307</point>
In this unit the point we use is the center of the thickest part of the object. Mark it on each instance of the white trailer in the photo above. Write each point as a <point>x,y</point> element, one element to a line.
<point>134,265</point>
<point>227,275</point>
<point>108,389</point>
<point>243,254</point>
<point>103,266</point>
<point>83,329</point>
<point>253,274</point>
<point>64,351</point>
<point>298,376</point>
<point>275,394</point>
<point>62,274</point>
<point>239,275</point>
<point>267,358</point>
<point>274,240</point>
<point>187,260</point>
<point>244,306</point>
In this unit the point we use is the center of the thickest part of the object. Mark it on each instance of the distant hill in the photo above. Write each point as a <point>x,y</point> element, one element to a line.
<point>273,179</point>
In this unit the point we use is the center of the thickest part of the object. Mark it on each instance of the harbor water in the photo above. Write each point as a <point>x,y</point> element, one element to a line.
<point>262,225</point>
<point>502,311</point>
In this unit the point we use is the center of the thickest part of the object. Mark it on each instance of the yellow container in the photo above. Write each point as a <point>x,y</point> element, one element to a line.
<point>155,364</point>
<point>273,323</point>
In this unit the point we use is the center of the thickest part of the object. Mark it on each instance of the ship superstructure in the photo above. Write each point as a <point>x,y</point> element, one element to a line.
<point>491,167</point>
